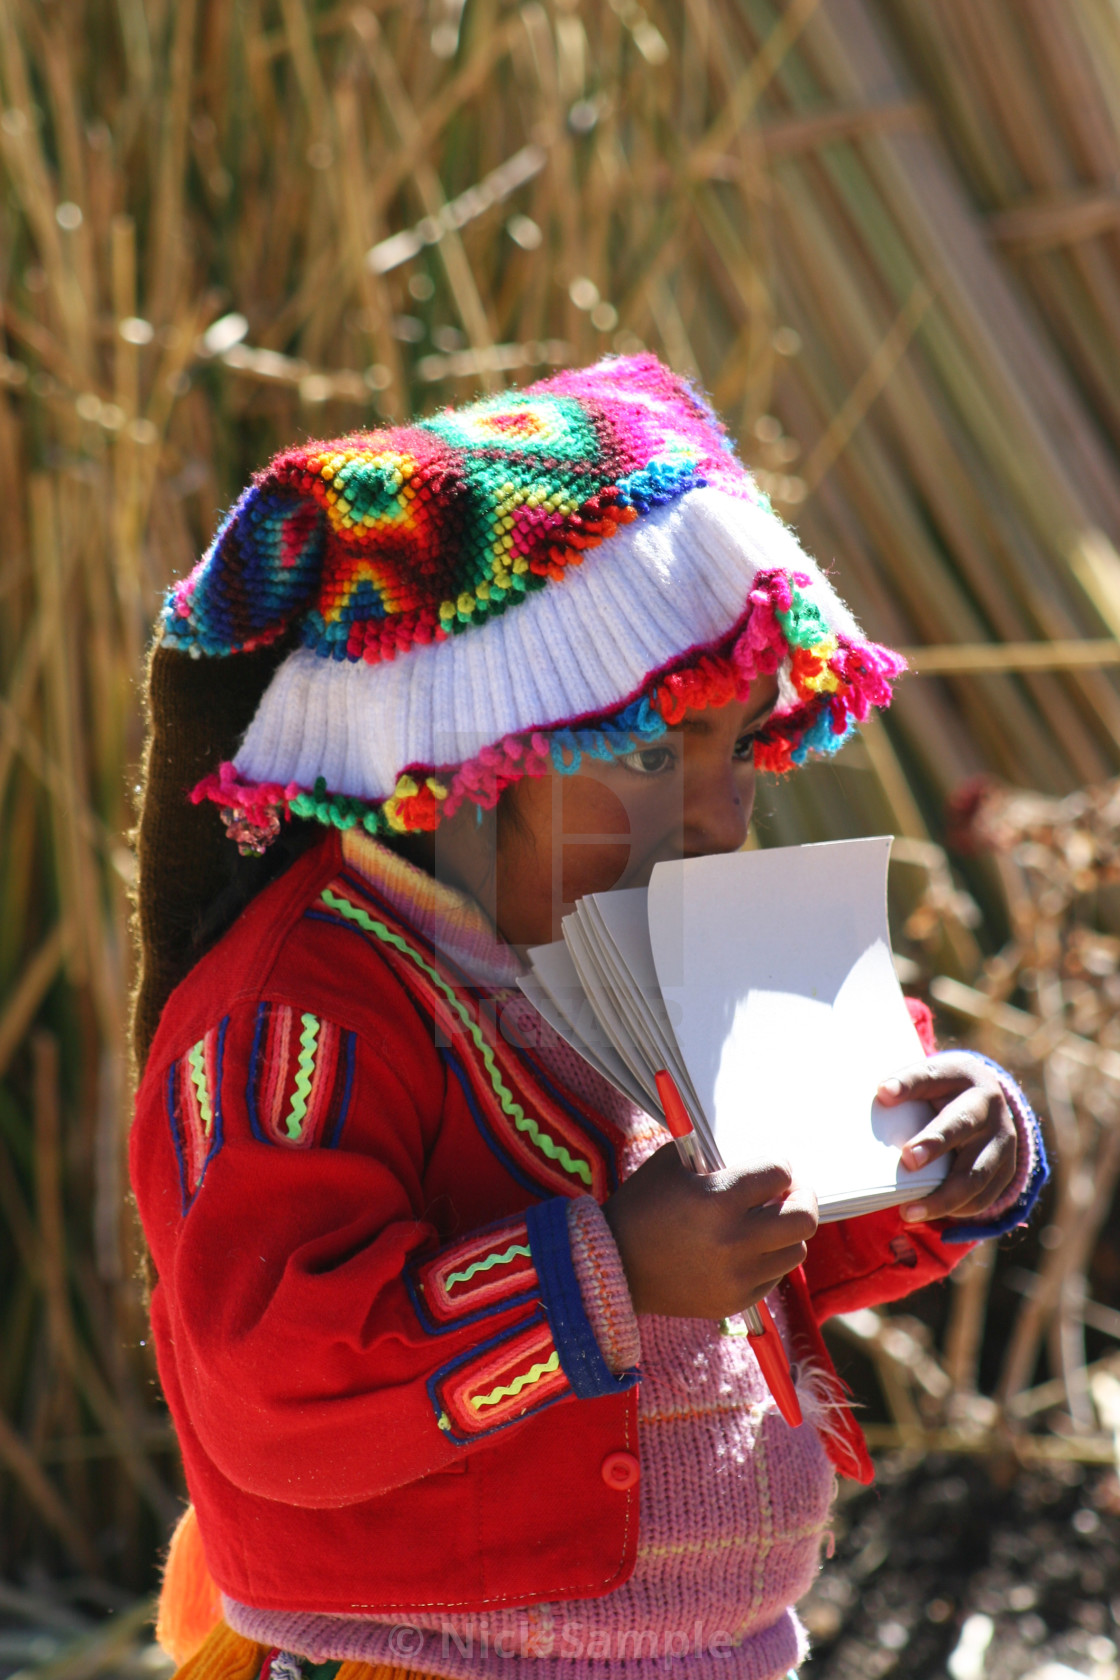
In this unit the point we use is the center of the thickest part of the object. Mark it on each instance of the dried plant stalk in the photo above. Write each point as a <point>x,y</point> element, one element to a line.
<point>760,191</point>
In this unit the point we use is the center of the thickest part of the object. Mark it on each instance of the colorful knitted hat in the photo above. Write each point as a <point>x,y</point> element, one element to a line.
<point>543,574</point>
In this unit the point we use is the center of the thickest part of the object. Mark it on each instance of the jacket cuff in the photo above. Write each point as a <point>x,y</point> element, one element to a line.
<point>603,1286</point>
<point>1016,1204</point>
<point>573,1331</point>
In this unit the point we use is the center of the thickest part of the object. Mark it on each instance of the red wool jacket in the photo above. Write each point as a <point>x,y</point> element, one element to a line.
<point>369,1332</point>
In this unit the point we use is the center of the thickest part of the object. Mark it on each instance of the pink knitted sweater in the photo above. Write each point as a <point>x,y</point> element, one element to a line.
<point>734,1503</point>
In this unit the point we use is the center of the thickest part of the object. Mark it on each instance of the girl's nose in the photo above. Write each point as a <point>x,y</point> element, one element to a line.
<point>718,815</point>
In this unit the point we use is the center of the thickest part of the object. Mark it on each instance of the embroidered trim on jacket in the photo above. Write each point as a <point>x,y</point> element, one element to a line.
<point>301,1076</point>
<point>499,1383</point>
<point>561,1155</point>
<point>485,1272</point>
<point>194,1109</point>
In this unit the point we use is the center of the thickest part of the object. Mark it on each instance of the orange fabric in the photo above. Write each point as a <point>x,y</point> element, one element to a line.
<point>190,1606</point>
<point>377,1671</point>
<point>225,1655</point>
<point>191,1630</point>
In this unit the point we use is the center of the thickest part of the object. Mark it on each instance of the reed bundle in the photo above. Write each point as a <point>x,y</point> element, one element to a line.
<point>965,1389</point>
<point>879,231</point>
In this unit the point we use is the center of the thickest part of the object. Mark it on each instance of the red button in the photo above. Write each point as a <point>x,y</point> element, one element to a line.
<point>621,1470</point>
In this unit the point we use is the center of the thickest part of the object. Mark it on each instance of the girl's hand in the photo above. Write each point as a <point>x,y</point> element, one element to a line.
<point>973,1123</point>
<point>706,1247</point>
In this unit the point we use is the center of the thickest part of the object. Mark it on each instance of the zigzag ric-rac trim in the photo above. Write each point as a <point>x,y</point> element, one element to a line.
<point>500,1382</point>
<point>475,1276</point>
<point>522,1121</point>
<point>525,1380</point>
<point>194,1109</point>
<point>309,1038</point>
<point>301,1075</point>
<point>196,1059</point>
<point>477,1266</point>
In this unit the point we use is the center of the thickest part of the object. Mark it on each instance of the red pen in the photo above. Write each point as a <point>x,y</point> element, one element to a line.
<point>761,1329</point>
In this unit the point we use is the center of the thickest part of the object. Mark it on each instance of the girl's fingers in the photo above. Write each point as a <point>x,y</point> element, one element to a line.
<point>978,1177</point>
<point>755,1187</point>
<point>974,1125</point>
<point>775,1267</point>
<point>987,1177</point>
<point>772,1229</point>
<point>943,1075</point>
<point>753,1292</point>
<point>958,1123</point>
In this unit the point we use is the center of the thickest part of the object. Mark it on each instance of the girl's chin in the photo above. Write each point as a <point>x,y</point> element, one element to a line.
<point>640,875</point>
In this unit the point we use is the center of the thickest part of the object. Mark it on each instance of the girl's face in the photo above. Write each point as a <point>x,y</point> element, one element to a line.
<point>559,837</point>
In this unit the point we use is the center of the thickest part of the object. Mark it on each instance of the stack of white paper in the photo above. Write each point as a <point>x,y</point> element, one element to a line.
<point>763,981</point>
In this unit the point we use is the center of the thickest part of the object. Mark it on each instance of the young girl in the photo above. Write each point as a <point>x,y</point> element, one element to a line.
<point>435,1308</point>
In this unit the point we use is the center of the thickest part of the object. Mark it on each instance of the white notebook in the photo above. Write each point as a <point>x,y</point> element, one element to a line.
<point>764,982</point>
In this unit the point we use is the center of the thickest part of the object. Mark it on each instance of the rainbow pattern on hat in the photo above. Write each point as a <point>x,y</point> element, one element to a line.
<point>382,540</point>
<point>562,571</point>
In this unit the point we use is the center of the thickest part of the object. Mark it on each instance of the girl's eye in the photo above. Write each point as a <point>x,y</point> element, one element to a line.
<point>649,761</point>
<point>746,744</point>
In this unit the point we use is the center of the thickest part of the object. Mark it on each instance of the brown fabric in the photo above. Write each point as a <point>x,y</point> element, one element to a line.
<point>197,711</point>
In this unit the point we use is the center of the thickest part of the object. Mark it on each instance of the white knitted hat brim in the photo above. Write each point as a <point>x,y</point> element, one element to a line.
<point>675,580</point>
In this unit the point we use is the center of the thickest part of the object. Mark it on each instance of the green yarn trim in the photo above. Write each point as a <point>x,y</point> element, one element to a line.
<point>534,1375</point>
<point>522,1121</point>
<point>196,1056</point>
<point>335,810</point>
<point>319,1671</point>
<point>308,1040</point>
<point>804,624</point>
<point>491,1260</point>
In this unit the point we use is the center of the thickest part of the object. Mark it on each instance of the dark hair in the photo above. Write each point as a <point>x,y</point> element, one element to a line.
<point>247,876</point>
<point>197,711</point>
<point>192,883</point>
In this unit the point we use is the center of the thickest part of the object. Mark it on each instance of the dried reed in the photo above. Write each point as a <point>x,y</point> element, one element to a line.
<point>228,226</point>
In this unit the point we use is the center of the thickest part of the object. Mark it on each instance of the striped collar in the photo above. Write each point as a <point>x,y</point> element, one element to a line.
<point>452,922</point>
